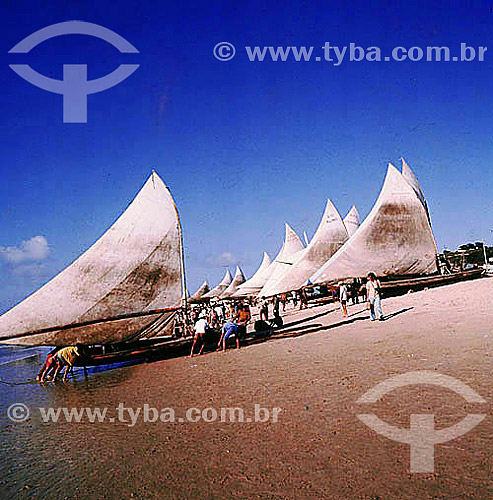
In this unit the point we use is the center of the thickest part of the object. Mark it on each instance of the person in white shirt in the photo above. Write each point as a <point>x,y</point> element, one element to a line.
<point>201,327</point>
<point>219,313</point>
<point>343,298</point>
<point>373,294</point>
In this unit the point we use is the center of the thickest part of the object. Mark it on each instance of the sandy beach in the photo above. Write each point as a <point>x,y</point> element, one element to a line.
<point>314,370</point>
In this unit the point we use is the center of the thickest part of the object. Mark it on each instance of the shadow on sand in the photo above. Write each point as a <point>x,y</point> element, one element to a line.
<point>287,332</point>
<point>292,329</point>
<point>396,313</point>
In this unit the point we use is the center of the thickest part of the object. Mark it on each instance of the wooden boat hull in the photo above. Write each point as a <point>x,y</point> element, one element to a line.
<point>406,284</point>
<point>140,350</point>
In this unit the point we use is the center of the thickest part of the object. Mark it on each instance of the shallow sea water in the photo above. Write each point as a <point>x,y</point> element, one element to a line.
<point>36,456</point>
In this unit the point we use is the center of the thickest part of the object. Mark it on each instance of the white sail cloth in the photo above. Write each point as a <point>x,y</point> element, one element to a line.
<point>330,235</point>
<point>238,279</point>
<point>136,266</point>
<point>257,281</point>
<point>289,252</point>
<point>408,174</point>
<point>395,238</point>
<point>351,221</point>
<point>202,290</point>
<point>219,289</point>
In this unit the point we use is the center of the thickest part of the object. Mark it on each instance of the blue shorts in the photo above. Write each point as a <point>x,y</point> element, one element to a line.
<point>230,330</point>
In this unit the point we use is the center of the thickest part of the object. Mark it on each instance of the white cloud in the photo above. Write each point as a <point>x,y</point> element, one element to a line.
<point>32,250</point>
<point>29,269</point>
<point>223,259</point>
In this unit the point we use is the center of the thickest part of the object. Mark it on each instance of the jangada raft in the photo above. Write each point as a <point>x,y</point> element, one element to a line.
<point>329,237</point>
<point>395,239</point>
<point>128,285</point>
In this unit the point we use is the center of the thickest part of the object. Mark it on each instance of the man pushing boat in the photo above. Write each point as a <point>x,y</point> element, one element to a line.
<point>57,360</point>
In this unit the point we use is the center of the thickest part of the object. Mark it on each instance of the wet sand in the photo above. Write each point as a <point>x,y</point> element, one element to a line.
<point>315,370</point>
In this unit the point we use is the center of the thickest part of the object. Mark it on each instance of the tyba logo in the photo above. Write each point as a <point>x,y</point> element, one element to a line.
<point>422,435</point>
<point>75,87</point>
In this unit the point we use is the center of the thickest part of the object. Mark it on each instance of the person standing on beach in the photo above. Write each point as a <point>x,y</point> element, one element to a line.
<point>373,294</point>
<point>201,327</point>
<point>213,320</point>
<point>343,298</point>
<point>277,303</point>
<point>242,318</point>
<point>264,309</point>
<point>354,289</point>
<point>277,315</point>
<point>303,299</point>
<point>219,312</point>
<point>283,301</point>
<point>362,290</point>
<point>294,297</point>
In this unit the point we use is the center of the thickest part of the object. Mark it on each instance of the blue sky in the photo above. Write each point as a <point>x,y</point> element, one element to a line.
<point>244,146</point>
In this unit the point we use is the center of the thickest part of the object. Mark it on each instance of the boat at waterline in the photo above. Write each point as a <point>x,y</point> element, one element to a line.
<point>128,285</point>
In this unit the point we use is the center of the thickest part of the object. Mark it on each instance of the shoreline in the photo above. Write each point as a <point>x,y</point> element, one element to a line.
<point>315,370</point>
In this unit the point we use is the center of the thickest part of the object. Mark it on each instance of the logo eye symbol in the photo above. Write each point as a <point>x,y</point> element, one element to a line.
<point>75,87</point>
<point>422,435</point>
<point>424,377</point>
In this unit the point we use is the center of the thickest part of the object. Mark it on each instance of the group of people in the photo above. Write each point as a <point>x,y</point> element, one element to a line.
<point>296,297</point>
<point>371,290</point>
<point>231,318</point>
<point>231,321</point>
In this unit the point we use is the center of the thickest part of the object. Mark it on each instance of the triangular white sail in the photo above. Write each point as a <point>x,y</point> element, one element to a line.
<point>238,279</point>
<point>408,174</point>
<point>351,221</point>
<point>395,238</point>
<point>331,234</point>
<point>289,253</point>
<point>136,266</point>
<point>219,289</point>
<point>202,290</point>
<point>257,281</point>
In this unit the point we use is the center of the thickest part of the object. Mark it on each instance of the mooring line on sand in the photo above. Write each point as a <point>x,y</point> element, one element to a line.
<point>28,382</point>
